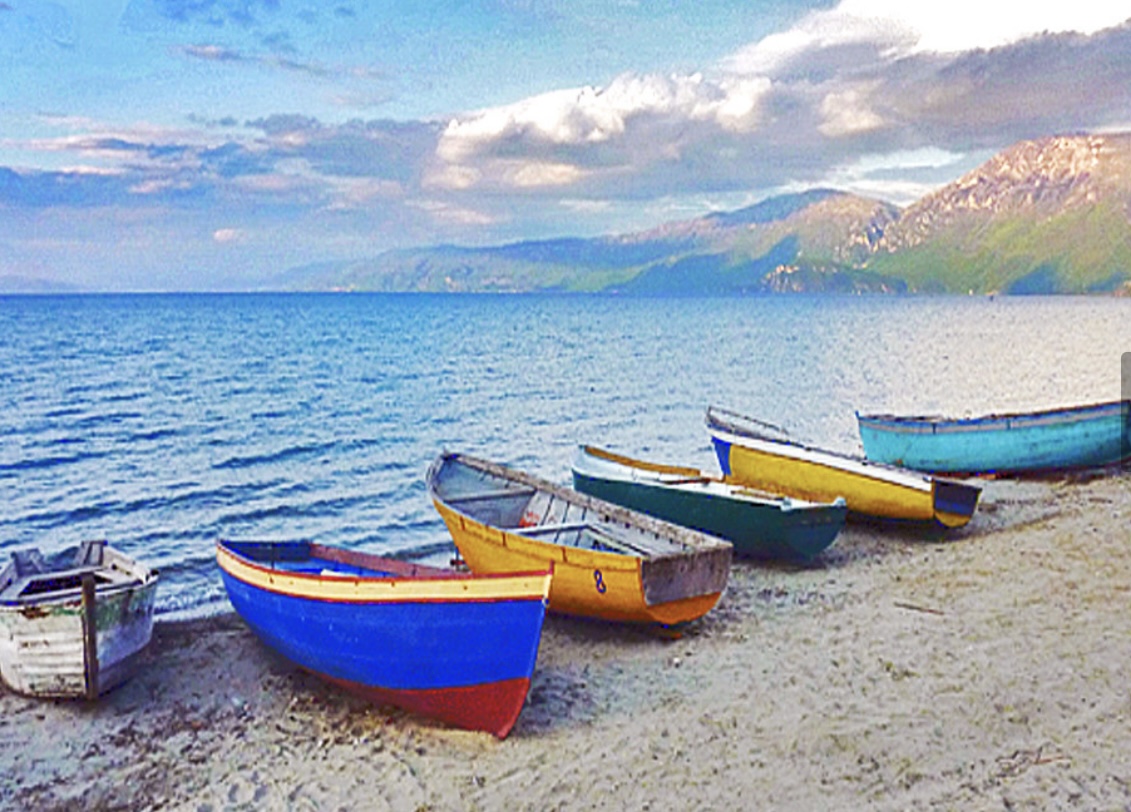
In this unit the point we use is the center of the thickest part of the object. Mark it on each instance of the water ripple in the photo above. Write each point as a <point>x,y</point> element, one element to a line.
<point>39,463</point>
<point>282,455</point>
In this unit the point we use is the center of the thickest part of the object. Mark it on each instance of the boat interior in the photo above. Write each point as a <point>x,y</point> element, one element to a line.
<point>546,515</point>
<point>306,558</point>
<point>29,577</point>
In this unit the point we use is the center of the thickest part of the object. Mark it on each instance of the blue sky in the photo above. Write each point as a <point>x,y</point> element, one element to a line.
<point>192,144</point>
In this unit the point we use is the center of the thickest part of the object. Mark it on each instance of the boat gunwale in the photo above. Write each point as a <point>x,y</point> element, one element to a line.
<point>939,424</point>
<point>621,460</point>
<point>428,584</point>
<point>891,474</point>
<point>916,480</point>
<point>63,597</point>
<point>134,576</point>
<point>403,570</point>
<point>714,486</point>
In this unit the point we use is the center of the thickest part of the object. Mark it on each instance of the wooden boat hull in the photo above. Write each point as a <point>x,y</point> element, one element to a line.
<point>870,489</point>
<point>1057,439</point>
<point>450,646</point>
<point>758,525</point>
<point>670,588</point>
<point>65,647</point>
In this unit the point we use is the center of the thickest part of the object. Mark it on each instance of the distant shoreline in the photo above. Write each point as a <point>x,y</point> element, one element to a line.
<point>45,293</point>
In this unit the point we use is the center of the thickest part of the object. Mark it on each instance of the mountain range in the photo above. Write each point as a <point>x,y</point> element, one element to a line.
<point>1045,216</point>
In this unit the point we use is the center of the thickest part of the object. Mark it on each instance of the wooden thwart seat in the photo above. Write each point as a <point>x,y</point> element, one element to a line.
<point>598,533</point>
<point>542,529</point>
<point>501,493</point>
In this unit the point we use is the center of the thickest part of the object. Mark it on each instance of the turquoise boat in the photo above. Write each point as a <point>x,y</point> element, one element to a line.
<point>1028,442</point>
<point>758,524</point>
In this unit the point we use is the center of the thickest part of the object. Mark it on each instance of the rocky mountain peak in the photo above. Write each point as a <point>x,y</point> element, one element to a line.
<point>1043,176</point>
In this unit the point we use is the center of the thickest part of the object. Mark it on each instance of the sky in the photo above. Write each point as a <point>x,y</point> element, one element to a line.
<point>203,144</point>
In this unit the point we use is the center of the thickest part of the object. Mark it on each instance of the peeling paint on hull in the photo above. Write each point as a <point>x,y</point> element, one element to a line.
<point>45,646</point>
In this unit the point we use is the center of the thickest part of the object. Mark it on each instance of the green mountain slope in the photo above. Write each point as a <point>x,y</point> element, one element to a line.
<point>1086,250</point>
<point>1045,216</point>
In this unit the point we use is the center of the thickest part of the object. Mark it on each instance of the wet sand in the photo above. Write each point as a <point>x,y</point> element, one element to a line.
<point>987,670</point>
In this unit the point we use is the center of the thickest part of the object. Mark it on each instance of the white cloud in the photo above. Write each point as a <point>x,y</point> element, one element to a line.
<point>963,25</point>
<point>900,177</point>
<point>584,206</point>
<point>275,183</point>
<point>901,27</point>
<point>227,235</point>
<point>444,212</point>
<point>572,116</point>
<point>594,115</point>
<point>623,116</point>
<point>452,177</point>
<point>739,109</point>
<point>82,169</point>
<point>846,112</point>
<point>926,158</point>
<point>538,173</point>
<point>156,186</point>
<point>815,32</point>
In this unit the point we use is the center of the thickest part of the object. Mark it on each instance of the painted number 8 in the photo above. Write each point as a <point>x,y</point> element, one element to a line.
<point>600,580</point>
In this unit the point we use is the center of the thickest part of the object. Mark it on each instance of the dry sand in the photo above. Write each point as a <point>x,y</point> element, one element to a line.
<point>986,671</point>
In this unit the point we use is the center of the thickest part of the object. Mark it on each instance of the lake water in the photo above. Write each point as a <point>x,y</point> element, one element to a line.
<point>165,422</point>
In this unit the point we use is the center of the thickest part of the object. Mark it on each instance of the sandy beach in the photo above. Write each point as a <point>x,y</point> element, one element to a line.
<point>988,670</point>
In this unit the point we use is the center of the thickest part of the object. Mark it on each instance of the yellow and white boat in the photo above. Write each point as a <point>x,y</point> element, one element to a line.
<point>749,456</point>
<point>609,562</point>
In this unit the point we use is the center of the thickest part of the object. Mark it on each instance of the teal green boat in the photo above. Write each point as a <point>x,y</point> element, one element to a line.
<point>758,524</point>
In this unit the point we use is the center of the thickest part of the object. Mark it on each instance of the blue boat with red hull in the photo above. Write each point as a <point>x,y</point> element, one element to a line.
<point>445,644</point>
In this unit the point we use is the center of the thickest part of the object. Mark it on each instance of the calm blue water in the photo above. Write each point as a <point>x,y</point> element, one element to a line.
<point>165,422</point>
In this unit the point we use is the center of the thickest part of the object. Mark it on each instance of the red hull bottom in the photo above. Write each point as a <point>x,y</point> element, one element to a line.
<point>492,708</point>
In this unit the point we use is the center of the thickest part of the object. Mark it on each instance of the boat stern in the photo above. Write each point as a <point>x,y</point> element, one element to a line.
<point>954,502</point>
<point>686,585</point>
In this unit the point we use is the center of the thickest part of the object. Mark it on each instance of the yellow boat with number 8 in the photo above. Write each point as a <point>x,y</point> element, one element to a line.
<point>609,562</point>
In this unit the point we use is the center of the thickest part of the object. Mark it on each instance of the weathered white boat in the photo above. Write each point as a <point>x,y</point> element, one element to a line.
<point>73,624</point>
